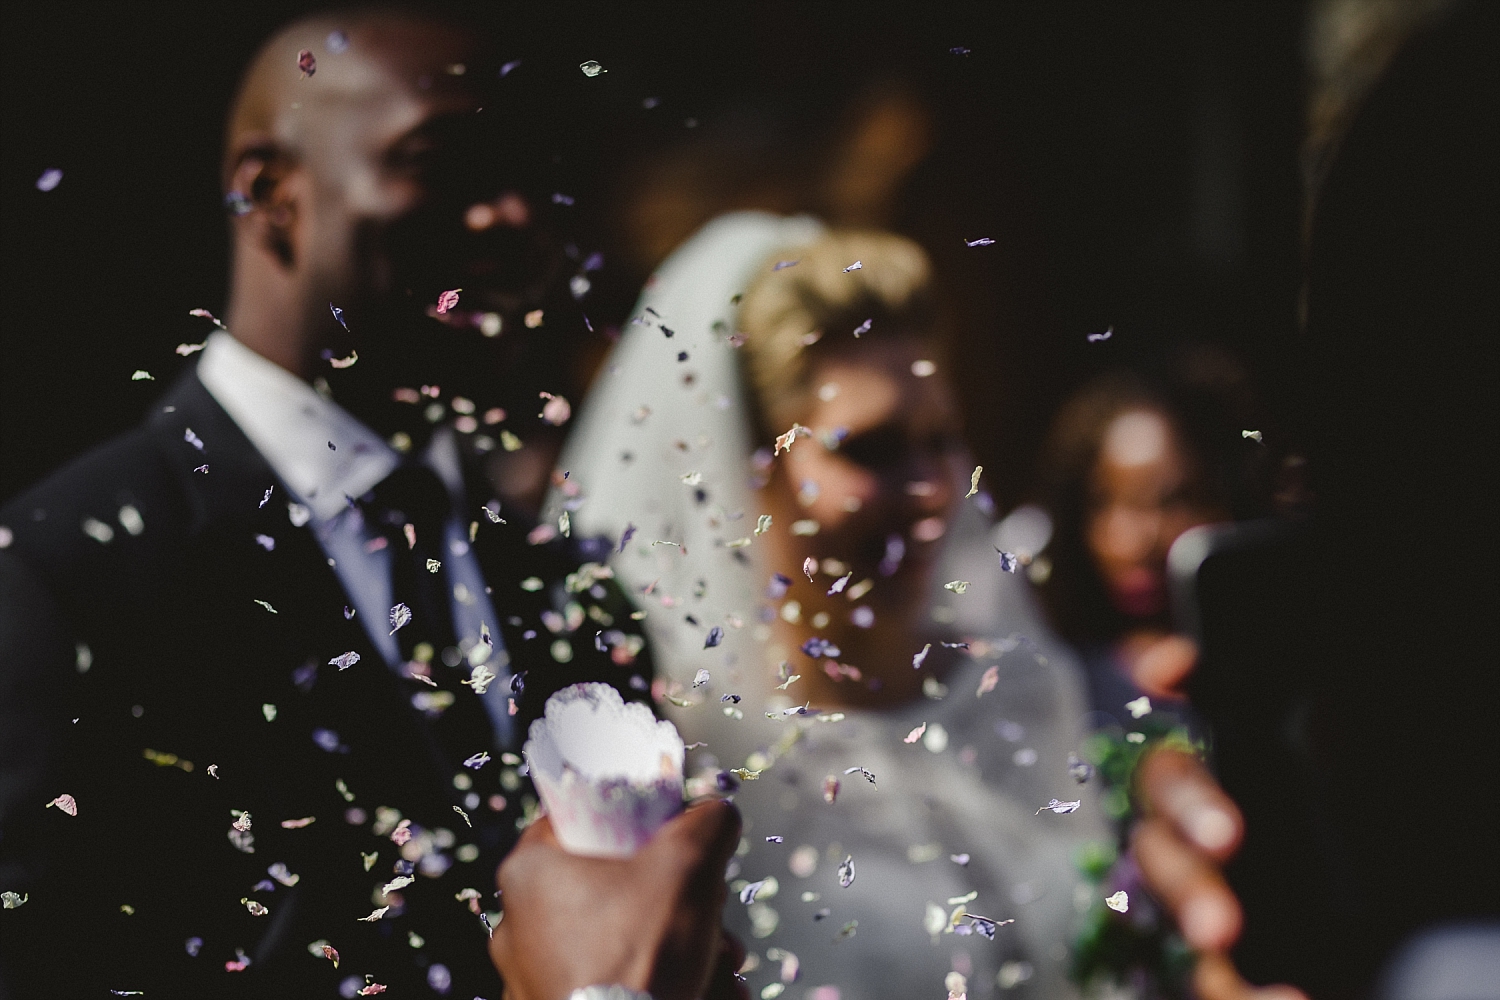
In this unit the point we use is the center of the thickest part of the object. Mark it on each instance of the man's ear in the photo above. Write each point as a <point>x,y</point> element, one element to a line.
<point>264,190</point>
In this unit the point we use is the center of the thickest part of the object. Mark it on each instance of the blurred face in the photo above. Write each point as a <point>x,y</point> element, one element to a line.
<point>1143,494</point>
<point>414,191</point>
<point>893,474</point>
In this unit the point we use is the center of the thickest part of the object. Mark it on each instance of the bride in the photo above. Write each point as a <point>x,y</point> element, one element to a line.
<point>774,451</point>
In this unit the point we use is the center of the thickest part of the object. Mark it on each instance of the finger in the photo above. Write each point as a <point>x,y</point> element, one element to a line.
<point>1215,978</point>
<point>1177,788</point>
<point>731,950</point>
<point>1161,669</point>
<point>1188,885</point>
<point>722,984</point>
<point>708,832</point>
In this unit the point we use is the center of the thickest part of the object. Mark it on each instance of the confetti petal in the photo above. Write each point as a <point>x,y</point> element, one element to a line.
<point>1119,902</point>
<point>66,803</point>
<point>448,300</point>
<point>915,734</point>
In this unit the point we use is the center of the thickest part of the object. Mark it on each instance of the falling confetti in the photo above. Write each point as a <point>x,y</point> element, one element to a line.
<point>974,481</point>
<point>477,761</point>
<point>868,776</point>
<point>399,882</point>
<point>830,789</point>
<point>591,68</point>
<point>701,679</point>
<point>448,300</point>
<point>988,681</point>
<point>1095,338</point>
<point>1119,902</point>
<point>307,63</point>
<point>957,586</point>
<point>1009,561</point>
<point>533,319</point>
<point>782,265</point>
<point>917,660</point>
<point>784,441</point>
<point>192,439</point>
<point>983,241</point>
<point>809,567</point>
<point>49,180</point>
<point>715,636</point>
<point>186,349</point>
<point>141,375</point>
<point>1060,807</point>
<point>747,894</point>
<point>344,362</point>
<point>400,616</point>
<point>256,909</point>
<point>338,314</point>
<point>267,498</point>
<point>480,679</point>
<point>1139,707</point>
<point>66,803</point>
<point>857,265</point>
<point>266,605</point>
<point>846,871</point>
<point>556,410</point>
<point>863,328</point>
<point>11,900</point>
<point>1253,436</point>
<point>840,584</point>
<point>915,734</point>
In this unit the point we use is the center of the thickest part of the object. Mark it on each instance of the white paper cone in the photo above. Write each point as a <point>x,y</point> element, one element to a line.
<point>610,774</point>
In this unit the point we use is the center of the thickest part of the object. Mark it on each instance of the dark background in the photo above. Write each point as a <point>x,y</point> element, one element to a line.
<point>1136,162</point>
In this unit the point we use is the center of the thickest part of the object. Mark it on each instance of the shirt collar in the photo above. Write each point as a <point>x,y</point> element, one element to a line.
<point>319,451</point>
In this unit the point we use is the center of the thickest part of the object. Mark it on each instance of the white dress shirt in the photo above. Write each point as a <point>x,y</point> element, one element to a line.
<point>292,427</point>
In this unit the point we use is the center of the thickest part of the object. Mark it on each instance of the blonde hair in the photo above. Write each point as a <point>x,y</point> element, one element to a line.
<point>787,315</point>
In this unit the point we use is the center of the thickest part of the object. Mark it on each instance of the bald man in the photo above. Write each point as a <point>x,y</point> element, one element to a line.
<point>266,659</point>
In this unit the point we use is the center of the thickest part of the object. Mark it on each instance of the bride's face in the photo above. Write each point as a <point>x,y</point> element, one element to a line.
<point>892,474</point>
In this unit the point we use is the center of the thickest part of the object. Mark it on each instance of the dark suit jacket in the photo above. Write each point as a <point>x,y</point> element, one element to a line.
<point>128,667</point>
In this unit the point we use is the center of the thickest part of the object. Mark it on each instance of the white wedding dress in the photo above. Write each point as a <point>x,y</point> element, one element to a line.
<point>971,785</point>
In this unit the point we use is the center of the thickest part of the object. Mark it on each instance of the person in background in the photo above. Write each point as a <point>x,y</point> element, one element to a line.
<point>1133,461</point>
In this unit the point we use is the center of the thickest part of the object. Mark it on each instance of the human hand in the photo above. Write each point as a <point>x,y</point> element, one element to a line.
<point>1190,828</point>
<point>650,922</point>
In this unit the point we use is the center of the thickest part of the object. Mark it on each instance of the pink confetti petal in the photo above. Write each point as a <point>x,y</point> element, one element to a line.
<point>915,734</point>
<point>307,63</point>
<point>66,803</point>
<point>988,681</point>
<point>448,300</point>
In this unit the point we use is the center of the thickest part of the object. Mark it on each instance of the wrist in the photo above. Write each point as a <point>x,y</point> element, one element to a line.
<point>613,992</point>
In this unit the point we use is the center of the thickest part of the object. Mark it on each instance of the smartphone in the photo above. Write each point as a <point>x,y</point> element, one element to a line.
<point>1246,593</point>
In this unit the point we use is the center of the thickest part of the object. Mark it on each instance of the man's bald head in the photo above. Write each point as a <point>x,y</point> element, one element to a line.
<point>375,182</point>
<point>362,57</point>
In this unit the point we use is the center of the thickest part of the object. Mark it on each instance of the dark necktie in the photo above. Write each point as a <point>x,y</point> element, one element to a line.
<point>410,509</point>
